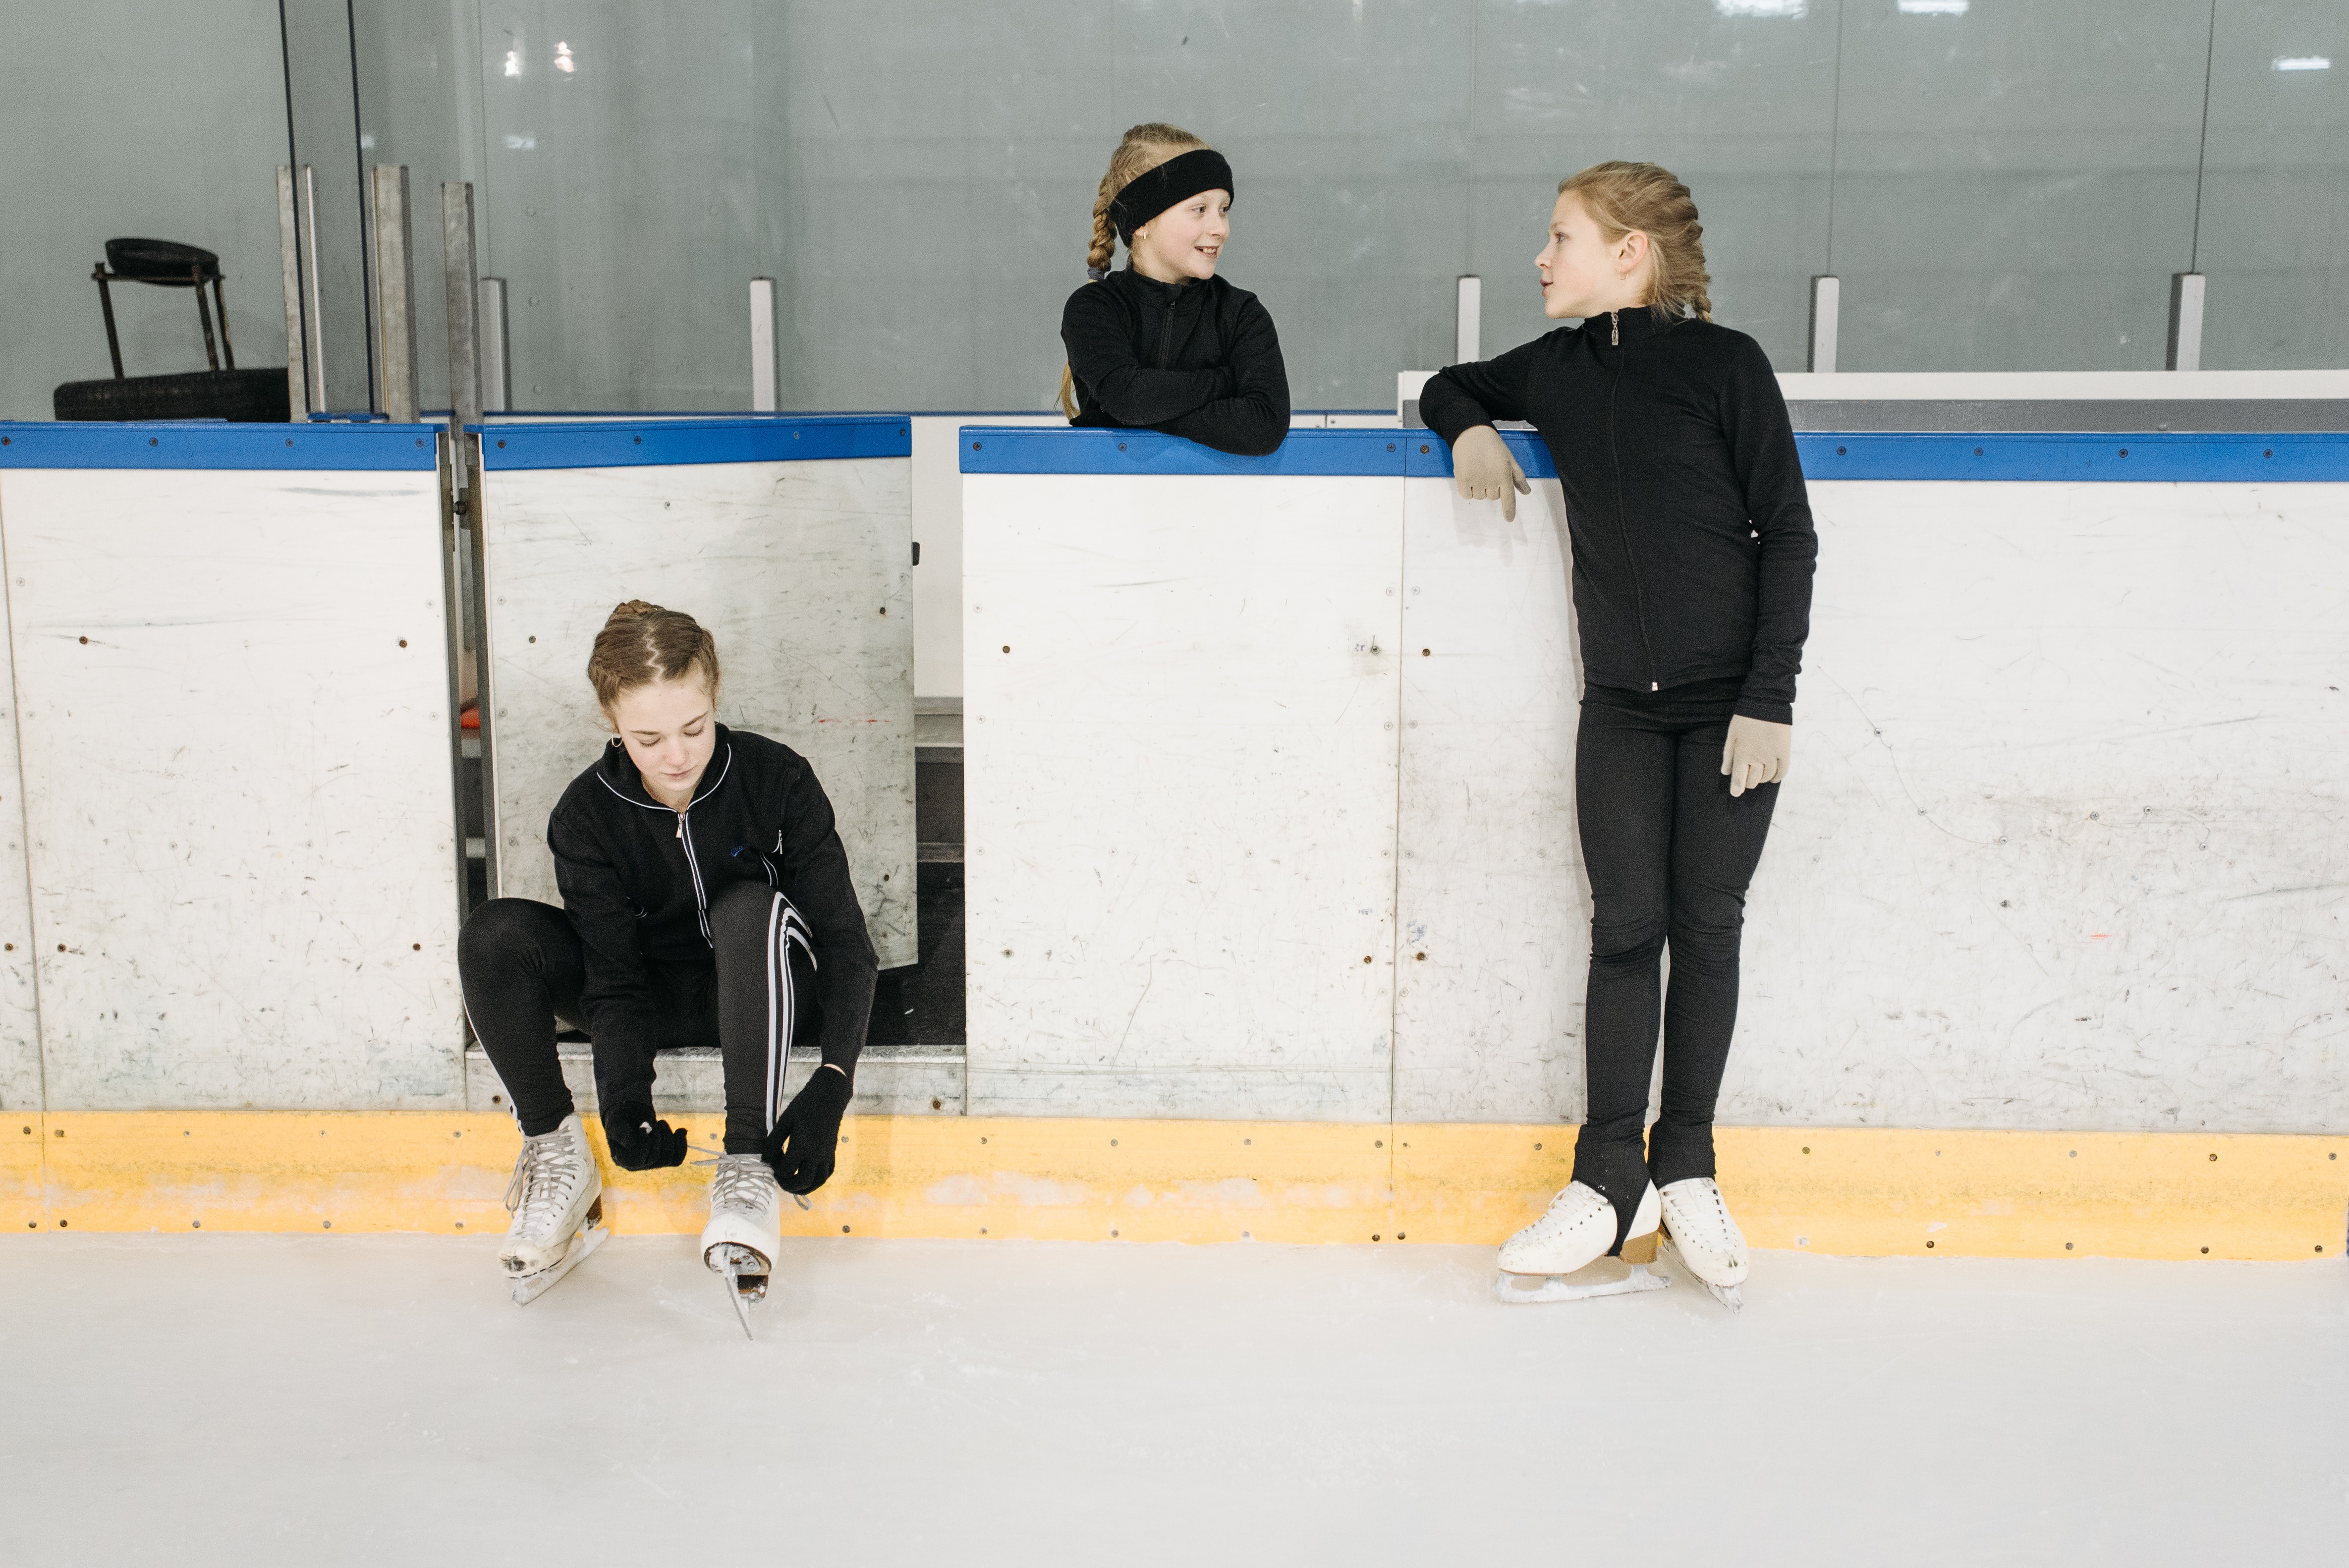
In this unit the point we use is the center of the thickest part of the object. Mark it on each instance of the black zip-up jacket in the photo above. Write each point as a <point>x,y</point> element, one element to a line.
<point>1199,360</point>
<point>1693,541</point>
<point>637,880</point>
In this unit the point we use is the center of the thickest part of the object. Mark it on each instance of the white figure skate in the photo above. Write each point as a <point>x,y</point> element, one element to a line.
<point>556,1199</point>
<point>745,1230</point>
<point>1565,1251</point>
<point>1703,1239</point>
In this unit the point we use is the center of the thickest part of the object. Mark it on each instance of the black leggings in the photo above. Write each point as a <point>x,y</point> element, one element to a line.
<point>1670,854</point>
<point>522,967</point>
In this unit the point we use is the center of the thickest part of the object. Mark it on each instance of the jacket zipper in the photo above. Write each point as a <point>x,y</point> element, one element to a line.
<point>1615,329</point>
<point>1622,521</point>
<point>700,897</point>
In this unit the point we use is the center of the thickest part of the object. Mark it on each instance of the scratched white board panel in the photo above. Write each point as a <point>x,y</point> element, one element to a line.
<point>2066,842</point>
<point>791,564</point>
<point>240,809</point>
<point>20,1037</point>
<point>1494,942</point>
<point>1180,794</point>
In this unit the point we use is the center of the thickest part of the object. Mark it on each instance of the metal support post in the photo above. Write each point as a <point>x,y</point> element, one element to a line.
<point>464,342</point>
<point>762,346</point>
<point>1468,320</point>
<point>395,294</point>
<point>289,263</point>
<point>317,320</point>
<point>1827,306</point>
<point>496,347</point>
<point>2185,320</point>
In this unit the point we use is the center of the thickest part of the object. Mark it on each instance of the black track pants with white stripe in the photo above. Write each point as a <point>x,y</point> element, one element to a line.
<point>523,971</point>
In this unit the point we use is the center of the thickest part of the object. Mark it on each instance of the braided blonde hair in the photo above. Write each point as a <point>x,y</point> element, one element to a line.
<point>1624,197</point>
<point>1144,147</point>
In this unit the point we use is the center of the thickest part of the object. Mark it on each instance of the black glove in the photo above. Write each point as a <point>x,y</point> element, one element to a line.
<point>806,1142</point>
<point>640,1141</point>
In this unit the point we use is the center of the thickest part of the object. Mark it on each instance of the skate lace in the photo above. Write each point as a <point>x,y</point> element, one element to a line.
<point>1706,1220</point>
<point>538,1189</point>
<point>738,1183</point>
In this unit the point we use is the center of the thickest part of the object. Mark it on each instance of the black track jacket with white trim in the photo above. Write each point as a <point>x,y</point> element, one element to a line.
<point>1198,360</point>
<point>1675,452</point>
<point>637,880</point>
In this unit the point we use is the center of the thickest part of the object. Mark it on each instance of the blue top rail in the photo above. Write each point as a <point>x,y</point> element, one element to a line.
<point>180,444</point>
<point>2161,457</point>
<point>1030,450</point>
<point>632,443</point>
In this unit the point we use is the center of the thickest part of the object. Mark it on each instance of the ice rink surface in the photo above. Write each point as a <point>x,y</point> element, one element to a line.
<point>378,1399</point>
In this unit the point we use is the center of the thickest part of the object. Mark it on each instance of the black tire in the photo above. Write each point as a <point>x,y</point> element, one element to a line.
<point>160,261</point>
<point>241,396</point>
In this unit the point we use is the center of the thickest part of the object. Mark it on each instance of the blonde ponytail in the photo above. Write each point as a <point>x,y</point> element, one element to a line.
<point>1143,148</point>
<point>1622,198</point>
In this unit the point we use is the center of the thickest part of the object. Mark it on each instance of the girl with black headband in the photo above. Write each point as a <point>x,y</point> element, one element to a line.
<point>1167,345</point>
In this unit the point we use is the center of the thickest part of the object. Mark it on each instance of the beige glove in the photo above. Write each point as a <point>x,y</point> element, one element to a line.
<point>1482,469</point>
<point>1755,753</point>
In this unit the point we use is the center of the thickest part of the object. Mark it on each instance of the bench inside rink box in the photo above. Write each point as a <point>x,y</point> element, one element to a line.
<point>788,537</point>
<point>1270,806</point>
<point>235,874</point>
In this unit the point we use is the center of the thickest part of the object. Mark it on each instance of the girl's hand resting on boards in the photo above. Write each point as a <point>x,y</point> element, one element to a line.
<point>1483,471</point>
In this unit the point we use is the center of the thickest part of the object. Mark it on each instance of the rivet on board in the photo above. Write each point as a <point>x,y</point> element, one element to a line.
<point>843,1230</point>
<point>2067,1246</point>
<point>2206,1249</point>
<point>2214,1159</point>
<point>403,642</point>
<point>1929,1244</point>
<point>418,947</point>
<point>1418,957</point>
<point>1366,958</point>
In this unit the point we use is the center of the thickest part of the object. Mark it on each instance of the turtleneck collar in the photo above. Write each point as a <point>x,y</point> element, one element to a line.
<point>1166,296</point>
<point>1636,324</point>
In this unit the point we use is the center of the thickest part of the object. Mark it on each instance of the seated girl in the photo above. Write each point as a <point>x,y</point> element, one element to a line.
<point>1167,345</point>
<point>705,900</point>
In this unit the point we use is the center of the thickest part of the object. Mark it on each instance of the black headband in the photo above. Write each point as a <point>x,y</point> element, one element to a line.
<point>1149,193</point>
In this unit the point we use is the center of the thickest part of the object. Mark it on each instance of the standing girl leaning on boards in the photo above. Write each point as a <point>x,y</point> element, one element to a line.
<point>1692,560</point>
<point>1165,344</point>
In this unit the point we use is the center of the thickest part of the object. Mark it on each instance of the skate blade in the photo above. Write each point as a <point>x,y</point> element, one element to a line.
<point>1727,1295</point>
<point>530,1287</point>
<point>745,1273</point>
<point>1608,1276</point>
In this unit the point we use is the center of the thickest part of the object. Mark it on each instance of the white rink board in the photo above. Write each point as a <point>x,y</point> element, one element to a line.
<point>20,1020</point>
<point>1180,794</point>
<point>238,786</point>
<point>1494,911</point>
<point>789,563</point>
<point>2064,845</point>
